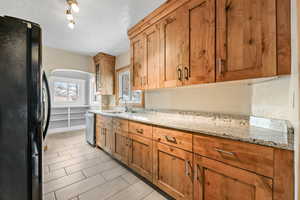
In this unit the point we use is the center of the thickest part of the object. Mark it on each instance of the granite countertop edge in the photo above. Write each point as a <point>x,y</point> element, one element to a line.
<point>289,146</point>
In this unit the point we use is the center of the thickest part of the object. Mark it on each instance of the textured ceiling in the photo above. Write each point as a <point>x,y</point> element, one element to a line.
<point>101,25</point>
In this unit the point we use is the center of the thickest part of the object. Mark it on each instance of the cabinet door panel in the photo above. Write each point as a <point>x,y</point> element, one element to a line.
<point>120,147</point>
<point>218,181</point>
<point>246,39</point>
<point>140,156</point>
<point>137,61</point>
<point>174,43</point>
<point>201,68</point>
<point>172,169</point>
<point>152,57</point>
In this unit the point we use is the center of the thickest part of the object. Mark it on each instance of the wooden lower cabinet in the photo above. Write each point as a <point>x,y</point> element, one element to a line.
<point>172,171</point>
<point>140,155</point>
<point>120,146</point>
<point>104,139</point>
<point>215,180</point>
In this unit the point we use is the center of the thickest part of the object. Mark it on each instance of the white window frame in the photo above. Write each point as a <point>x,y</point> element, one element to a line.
<point>93,92</point>
<point>130,101</point>
<point>81,89</point>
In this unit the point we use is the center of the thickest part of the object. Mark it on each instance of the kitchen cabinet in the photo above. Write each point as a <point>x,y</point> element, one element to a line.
<point>189,165</point>
<point>105,73</point>
<point>172,170</point>
<point>140,155</point>
<point>152,56</point>
<point>145,59</point>
<point>246,39</point>
<point>218,181</point>
<point>174,47</point>
<point>104,136</point>
<point>201,66</point>
<point>120,147</point>
<point>138,67</point>
<point>205,41</point>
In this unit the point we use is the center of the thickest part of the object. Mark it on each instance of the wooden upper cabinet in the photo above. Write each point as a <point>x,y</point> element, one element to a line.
<point>201,68</point>
<point>246,39</point>
<point>152,55</point>
<point>218,181</point>
<point>105,73</point>
<point>174,47</point>
<point>204,41</point>
<point>138,68</point>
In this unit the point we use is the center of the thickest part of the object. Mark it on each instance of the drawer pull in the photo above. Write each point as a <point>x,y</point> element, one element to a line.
<point>171,139</point>
<point>140,131</point>
<point>224,152</point>
<point>187,171</point>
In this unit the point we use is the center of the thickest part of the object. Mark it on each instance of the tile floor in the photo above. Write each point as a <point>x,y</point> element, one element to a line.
<point>74,170</point>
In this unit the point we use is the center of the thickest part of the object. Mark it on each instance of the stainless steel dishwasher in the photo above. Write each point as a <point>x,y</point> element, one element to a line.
<point>90,128</point>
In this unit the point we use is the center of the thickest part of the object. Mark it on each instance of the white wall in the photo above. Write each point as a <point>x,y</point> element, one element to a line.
<point>61,59</point>
<point>123,60</point>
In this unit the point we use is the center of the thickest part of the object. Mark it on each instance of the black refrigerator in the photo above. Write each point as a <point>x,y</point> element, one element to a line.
<point>24,110</point>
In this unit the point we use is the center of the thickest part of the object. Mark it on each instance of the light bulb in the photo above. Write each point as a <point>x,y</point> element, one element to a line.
<point>71,24</point>
<point>69,15</point>
<point>75,7</point>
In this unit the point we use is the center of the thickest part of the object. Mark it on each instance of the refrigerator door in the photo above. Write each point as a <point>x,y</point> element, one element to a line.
<point>20,110</point>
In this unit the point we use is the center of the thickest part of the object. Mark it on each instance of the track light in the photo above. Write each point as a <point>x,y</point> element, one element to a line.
<point>74,5</point>
<point>71,24</point>
<point>69,15</point>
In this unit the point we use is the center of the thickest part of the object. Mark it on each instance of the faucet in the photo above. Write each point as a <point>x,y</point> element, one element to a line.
<point>126,104</point>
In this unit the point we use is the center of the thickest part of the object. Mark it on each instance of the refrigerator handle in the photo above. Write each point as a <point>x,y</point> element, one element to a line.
<point>45,81</point>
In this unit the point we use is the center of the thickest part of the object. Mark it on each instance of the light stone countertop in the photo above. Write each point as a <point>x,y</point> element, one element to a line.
<point>262,131</point>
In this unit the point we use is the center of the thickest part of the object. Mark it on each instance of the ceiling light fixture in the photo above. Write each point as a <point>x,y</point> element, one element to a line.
<point>71,24</point>
<point>69,14</point>
<point>74,5</point>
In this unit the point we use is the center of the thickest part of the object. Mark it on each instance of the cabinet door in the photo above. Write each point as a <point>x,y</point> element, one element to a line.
<point>174,47</point>
<point>98,135</point>
<point>218,181</point>
<point>246,39</point>
<point>138,62</point>
<point>120,146</point>
<point>140,155</point>
<point>201,68</point>
<point>108,138</point>
<point>152,57</point>
<point>172,171</point>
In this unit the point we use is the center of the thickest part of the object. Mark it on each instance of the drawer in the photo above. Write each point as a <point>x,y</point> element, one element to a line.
<point>247,156</point>
<point>120,125</point>
<point>174,138</point>
<point>140,129</point>
<point>104,122</point>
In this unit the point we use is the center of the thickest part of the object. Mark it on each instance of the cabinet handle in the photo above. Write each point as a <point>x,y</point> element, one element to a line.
<point>224,152</point>
<point>220,66</point>
<point>186,73</point>
<point>198,175</point>
<point>140,131</point>
<point>171,139</point>
<point>179,74</point>
<point>187,171</point>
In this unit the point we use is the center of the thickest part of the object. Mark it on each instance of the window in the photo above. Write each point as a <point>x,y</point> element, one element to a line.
<point>125,94</point>
<point>95,97</point>
<point>67,91</point>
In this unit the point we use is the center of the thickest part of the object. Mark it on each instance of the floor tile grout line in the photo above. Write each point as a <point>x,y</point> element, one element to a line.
<point>87,190</point>
<point>85,168</point>
<point>104,183</point>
